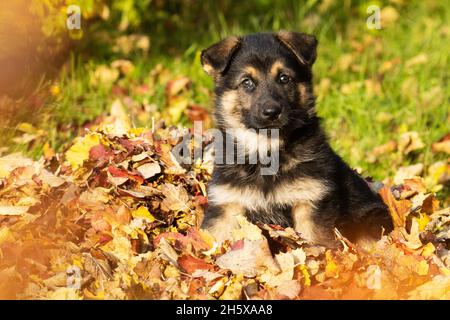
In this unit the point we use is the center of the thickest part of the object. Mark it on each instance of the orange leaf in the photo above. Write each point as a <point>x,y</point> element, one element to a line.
<point>430,204</point>
<point>398,209</point>
<point>189,264</point>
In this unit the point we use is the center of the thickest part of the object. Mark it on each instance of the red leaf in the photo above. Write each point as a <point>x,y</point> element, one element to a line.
<point>104,239</point>
<point>189,264</point>
<point>201,200</point>
<point>121,173</point>
<point>194,238</point>
<point>99,153</point>
<point>197,113</point>
<point>118,173</point>
<point>238,245</point>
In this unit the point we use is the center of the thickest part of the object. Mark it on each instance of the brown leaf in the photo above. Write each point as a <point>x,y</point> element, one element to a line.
<point>175,86</point>
<point>381,150</point>
<point>398,209</point>
<point>100,153</point>
<point>410,141</point>
<point>430,204</point>
<point>416,184</point>
<point>176,198</point>
<point>442,145</point>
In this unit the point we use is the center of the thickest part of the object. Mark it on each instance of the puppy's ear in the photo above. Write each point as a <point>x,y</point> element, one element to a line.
<point>302,45</point>
<point>216,58</point>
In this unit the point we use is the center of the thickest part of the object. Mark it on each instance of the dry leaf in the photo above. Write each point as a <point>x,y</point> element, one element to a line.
<point>398,209</point>
<point>149,170</point>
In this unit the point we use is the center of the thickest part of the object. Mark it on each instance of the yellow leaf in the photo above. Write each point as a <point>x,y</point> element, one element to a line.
<point>331,269</point>
<point>437,288</point>
<point>55,90</point>
<point>423,220</point>
<point>6,235</point>
<point>445,271</point>
<point>137,131</point>
<point>77,262</point>
<point>79,152</point>
<point>207,237</point>
<point>142,212</point>
<point>217,289</point>
<point>428,249</point>
<point>100,295</point>
<point>389,16</point>
<point>65,294</point>
<point>177,106</point>
<point>171,272</point>
<point>120,122</point>
<point>306,278</point>
<point>232,292</point>
<point>422,268</point>
<point>26,127</point>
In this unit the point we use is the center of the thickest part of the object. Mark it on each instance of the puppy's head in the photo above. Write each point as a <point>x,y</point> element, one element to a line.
<point>262,80</point>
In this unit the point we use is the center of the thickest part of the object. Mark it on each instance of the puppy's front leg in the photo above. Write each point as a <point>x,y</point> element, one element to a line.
<point>311,226</point>
<point>221,220</point>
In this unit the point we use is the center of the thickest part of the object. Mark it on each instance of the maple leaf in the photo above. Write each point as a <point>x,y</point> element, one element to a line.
<point>79,151</point>
<point>175,197</point>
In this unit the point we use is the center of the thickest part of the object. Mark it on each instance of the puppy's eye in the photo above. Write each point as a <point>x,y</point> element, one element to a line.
<point>248,84</point>
<point>283,78</point>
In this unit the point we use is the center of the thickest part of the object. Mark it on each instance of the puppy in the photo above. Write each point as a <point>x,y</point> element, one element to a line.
<point>263,83</point>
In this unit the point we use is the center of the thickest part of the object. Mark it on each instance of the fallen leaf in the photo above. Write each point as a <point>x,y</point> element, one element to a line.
<point>438,288</point>
<point>190,264</point>
<point>252,259</point>
<point>79,151</point>
<point>175,197</point>
<point>410,141</point>
<point>408,172</point>
<point>13,210</point>
<point>149,170</point>
<point>416,60</point>
<point>442,145</point>
<point>398,209</point>
<point>13,161</point>
<point>142,212</point>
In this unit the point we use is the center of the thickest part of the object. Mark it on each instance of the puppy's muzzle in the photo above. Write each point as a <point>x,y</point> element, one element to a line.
<point>271,112</point>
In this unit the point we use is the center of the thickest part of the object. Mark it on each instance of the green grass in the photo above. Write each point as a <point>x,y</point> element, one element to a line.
<point>356,121</point>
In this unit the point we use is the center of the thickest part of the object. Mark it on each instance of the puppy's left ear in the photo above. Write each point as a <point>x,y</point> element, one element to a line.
<point>216,58</point>
<point>302,45</point>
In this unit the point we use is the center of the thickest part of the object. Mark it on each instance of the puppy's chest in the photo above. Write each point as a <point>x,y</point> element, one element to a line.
<point>269,198</point>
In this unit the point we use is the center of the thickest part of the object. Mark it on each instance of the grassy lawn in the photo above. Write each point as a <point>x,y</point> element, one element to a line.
<point>372,85</point>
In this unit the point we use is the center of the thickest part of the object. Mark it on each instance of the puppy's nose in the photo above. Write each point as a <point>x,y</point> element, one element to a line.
<point>271,112</point>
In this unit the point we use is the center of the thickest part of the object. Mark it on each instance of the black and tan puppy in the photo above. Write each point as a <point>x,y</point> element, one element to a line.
<point>264,81</point>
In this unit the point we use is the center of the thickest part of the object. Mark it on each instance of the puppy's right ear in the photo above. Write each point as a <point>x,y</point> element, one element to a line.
<point>216,58</point>
<point>302,45</point>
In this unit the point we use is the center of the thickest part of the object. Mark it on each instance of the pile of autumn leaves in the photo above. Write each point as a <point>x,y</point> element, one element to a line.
<point>116,217</point>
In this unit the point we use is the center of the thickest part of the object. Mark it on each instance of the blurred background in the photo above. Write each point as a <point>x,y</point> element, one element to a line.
<point>383,92</point>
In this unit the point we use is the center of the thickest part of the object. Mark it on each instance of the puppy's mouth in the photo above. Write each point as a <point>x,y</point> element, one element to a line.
<point>264,124</point>
<point>285,122</point>
<point>254,122</point>
<point>269,126</point>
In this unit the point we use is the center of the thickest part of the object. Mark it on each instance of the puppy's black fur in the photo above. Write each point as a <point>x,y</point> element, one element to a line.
<point>264,81</point>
